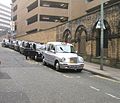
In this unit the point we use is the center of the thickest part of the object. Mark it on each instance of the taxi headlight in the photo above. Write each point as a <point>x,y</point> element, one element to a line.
<point>80,59</point>
<point>63,59</point>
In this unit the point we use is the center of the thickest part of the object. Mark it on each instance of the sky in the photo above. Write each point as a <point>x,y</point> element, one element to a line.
<point>6,2</point>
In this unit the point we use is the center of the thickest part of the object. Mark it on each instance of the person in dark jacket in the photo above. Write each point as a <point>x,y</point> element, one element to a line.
<point>26,50</point>
<point>34,46</point>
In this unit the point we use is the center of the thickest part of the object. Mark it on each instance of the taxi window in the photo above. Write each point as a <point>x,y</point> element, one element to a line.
<point>48,48</point>
<point>52,47</point>
<point>65,49</point>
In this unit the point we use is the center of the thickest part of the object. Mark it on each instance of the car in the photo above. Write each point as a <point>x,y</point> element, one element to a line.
<point>30,50</point>
<point>12,44</point>
<point>62,55</point>
<point>22,47</point>
<point>17,45</point>
<point>5,43</point>
<point>40,48</point>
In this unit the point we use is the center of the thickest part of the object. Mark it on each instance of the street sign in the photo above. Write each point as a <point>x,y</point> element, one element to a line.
<point>98,26</point>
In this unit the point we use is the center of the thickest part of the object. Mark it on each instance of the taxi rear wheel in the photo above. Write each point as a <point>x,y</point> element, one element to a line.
<point>79,70</point>
<point>44,63</point>
<point>57,66</point>
<point>36,55</point>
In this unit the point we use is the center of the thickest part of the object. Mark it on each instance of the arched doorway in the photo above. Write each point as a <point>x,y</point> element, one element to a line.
<point>80,39</point>
<point>67,36</point>
<point>97,36</point>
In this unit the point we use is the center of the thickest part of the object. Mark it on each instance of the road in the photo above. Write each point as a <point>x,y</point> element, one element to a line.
<point>28,81</point>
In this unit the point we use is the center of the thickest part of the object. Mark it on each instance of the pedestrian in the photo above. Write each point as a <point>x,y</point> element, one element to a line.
<point>27,50</point>
<point>34,46</point>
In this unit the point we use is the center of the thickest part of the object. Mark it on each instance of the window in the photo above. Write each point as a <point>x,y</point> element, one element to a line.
<point>4,23</point>
<point>6,15</point>
<point>32,6</point>
<point>54,4</point>
<point>15,27</point>
<point>65,49</point>
<point>31,31</point>
<point>15,18</point>
<point>32,19</point>
<point>15,8</point>
<point>13,1</point>
<point>51,18</point>
<point>88,0</point>
<point>52,47</point>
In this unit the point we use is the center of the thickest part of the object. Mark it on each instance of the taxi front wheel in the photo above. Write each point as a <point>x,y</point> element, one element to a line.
<point>57,66</point>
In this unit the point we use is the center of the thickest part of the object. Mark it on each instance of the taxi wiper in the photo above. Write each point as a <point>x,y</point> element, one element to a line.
<point>63,50</point>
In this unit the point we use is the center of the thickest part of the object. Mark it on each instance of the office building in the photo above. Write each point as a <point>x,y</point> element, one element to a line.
<point>5,18</point>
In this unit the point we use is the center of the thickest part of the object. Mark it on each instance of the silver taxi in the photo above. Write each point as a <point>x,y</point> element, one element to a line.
<point>62,56</point>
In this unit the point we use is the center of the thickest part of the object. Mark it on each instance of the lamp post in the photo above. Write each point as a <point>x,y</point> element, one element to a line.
<point>102,33</point>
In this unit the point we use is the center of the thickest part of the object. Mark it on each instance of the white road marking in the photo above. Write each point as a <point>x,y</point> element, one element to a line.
<point>113,96</point>
<point>105,78</point>
<point>67,76</point>
<point>94,88</point>
<point>78,77</point>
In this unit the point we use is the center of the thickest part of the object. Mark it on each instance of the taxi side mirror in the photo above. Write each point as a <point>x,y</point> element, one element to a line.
<point>53,51</point>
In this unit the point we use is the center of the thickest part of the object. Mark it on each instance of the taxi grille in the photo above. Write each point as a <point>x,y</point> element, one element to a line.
<point>73,60</point>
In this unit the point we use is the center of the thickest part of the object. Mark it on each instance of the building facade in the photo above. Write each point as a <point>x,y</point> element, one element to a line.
<point>85,34</point>
<point>5,18</point>
<point>36,15</point>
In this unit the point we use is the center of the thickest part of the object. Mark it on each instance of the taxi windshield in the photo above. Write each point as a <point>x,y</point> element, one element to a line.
<point>65,49</point>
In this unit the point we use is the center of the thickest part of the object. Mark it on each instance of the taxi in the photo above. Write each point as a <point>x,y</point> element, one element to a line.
<point>62,56</point>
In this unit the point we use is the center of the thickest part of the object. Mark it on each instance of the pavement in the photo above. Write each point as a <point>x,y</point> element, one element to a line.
<point>109,72</point>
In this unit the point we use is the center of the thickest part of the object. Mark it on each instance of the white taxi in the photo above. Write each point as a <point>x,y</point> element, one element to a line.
<point>62,56</point>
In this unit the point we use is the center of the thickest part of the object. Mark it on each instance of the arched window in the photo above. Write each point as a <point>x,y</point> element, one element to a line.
<point>67,35</point>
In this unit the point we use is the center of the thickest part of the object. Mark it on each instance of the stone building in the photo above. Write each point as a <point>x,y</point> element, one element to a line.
<point>84,33</point>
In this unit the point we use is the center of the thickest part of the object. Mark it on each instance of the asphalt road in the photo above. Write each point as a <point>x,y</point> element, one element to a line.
<point>28,81</point>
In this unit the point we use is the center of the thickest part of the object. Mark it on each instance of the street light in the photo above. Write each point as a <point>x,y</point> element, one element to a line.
<point>102,33</point>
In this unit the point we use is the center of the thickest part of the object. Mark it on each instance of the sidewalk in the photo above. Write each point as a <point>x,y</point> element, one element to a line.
<point>108,72</point>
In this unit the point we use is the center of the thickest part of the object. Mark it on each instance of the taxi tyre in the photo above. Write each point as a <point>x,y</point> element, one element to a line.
<point>79,70</point>
<point>44,63</point>
<point>57,66</point>
<point>36,56</point>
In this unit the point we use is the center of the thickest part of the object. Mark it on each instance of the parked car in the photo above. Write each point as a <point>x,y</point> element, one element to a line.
<point>5,43</point>
<point>22,47</point>
<point>12,44</point>
<point>30,50</point>
<point>40,48</point>
<point>62,56</point>
<point>17,45</point>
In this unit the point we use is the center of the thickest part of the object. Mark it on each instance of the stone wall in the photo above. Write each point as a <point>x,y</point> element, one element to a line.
<point>41,37</point>
<point>87,25</point>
